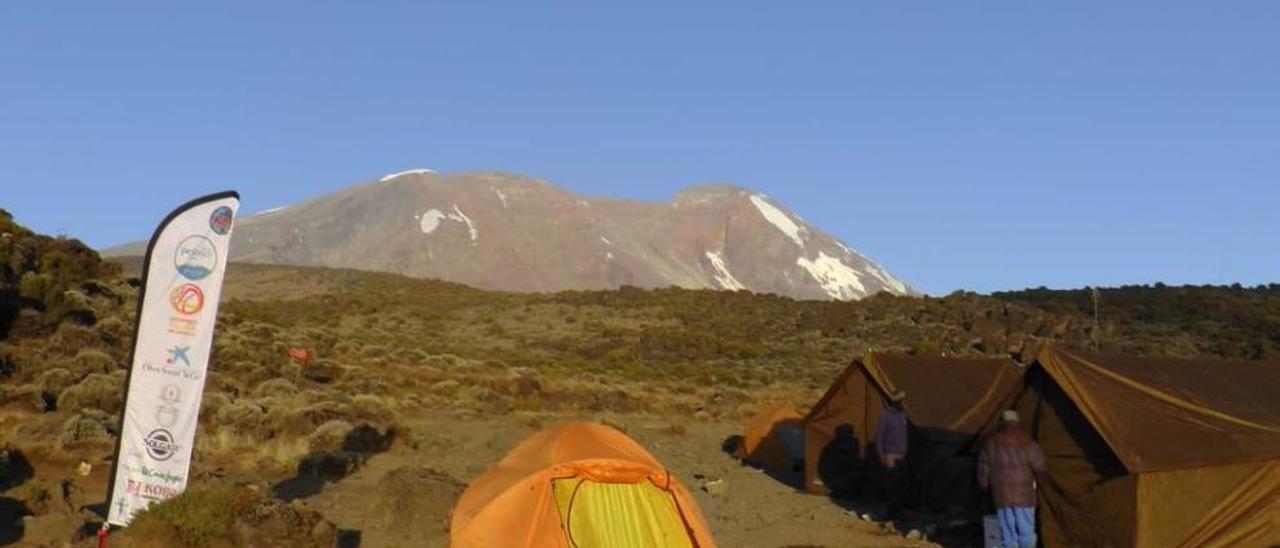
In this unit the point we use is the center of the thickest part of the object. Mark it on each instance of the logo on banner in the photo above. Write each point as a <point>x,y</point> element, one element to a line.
<point>187,299</point>
<point>122,507</point>
<point>149,490</point>
<point>175,372</point>
<point>167,411</point>
<point>182,326</point>
<point>178,354</point>
<point>195,258</point>
<point>220,221</point>
<point>156,474</point>
<point>160,444</point>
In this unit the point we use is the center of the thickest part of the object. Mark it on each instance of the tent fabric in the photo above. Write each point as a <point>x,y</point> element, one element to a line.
<point>949,402</point>
<point>1089,498</point>
<point>619,515</point>
<point>1155,452</point>
<point>514,503</point>
<point>1159,413</point>
<point>1231,505</point>
<point>767,439</point>
<point>948,394</point>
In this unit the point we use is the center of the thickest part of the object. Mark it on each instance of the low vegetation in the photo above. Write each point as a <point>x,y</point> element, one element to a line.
<point>371,348</point>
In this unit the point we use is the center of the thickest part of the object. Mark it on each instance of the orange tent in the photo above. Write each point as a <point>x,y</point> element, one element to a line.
<point>774,439</point>
<point>576,485</point>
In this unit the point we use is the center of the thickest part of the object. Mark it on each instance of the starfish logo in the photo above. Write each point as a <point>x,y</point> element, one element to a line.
<point>179,354</point>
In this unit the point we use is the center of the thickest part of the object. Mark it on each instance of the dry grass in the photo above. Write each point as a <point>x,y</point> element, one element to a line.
<point>243,453</point>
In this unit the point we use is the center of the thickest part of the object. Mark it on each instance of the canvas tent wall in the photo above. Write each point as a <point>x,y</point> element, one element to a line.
<point>1154,452</point>
<point>950,401</point>
<point>774,439</point>
<point>577,485</point>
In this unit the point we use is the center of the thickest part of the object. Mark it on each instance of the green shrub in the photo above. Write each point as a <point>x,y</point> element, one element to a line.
<point>114,331</point>
<point>211,403</point>
<point>35,286</point>
<point>97,391</point>
<point>55,380</point>
<point>328,437</point>
<point>197,517</point>
<point>71,336</point>
<point>446,387</point>
<point>87,425</point>
<point>245,417</point>
<point>373,409</point>
<point>24,394</point>
<point>91,360</point>
<point>275,388</point>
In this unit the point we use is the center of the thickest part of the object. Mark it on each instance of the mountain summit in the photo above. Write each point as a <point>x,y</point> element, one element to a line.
<point>508,232</point>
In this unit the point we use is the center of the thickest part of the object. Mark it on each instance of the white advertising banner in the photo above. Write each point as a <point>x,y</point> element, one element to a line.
<point>181,284</point>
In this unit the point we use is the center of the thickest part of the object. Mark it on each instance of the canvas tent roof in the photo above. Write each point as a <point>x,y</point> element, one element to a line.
<point>525,499</point>
<point>1162,413</point>
<point>955,394</point>
<point>950,401</point>
<point>1155,452</point>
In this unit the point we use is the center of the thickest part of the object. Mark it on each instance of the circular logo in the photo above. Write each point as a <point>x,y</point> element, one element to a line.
<point>187,299</point>
<point>195,257</point>
<point>220,221</point>
<point>170,394</point>
<point>160,444</point>
<point>167,415</point>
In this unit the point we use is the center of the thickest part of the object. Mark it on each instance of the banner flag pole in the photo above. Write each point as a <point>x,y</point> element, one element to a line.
<point>182,275</point>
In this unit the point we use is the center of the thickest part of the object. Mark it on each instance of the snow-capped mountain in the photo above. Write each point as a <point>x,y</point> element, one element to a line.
<point>508,232</point>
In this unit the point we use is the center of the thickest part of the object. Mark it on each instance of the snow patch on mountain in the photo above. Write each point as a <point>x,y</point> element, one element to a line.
<point>501,196</point>
<point>779,219</point>
<point>461,217</point>
<point>430,220</point>
<point>839,280</point>
<point>888,280</point>
<point>722,275</point>
<point>418,171</point>
<point>270,211</point>
<point>847,250</point>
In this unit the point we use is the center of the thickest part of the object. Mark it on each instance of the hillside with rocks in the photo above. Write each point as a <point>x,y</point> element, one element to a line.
<point>405,372</point>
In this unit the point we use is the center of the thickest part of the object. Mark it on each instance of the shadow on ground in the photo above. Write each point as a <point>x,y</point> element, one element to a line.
<point>348,539</point>
<point>318,468</point>
<point>11,513</point>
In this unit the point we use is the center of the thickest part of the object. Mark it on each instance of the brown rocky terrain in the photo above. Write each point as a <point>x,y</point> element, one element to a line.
<point>420,382</point>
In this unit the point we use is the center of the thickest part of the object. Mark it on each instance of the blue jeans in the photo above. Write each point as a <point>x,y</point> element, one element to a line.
<point>1017,526</point>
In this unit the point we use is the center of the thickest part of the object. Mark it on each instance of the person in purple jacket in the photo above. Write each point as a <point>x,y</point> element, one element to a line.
<point>891,447</point>
<point>891,431</point>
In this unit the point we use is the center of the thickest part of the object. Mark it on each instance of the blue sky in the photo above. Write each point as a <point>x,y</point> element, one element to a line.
<point>964,145</point>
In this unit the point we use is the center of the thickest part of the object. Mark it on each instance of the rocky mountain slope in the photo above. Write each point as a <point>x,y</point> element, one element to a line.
<point>507,232</point>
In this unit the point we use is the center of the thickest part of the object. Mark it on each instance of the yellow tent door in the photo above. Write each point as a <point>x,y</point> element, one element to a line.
<point>619,515</point>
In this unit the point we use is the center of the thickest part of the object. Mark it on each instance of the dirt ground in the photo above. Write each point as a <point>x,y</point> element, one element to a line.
<point>753,509</point>
<point>403,496</point>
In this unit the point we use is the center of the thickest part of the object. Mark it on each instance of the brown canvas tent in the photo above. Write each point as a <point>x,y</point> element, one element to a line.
<point>773,439</point>
<point>950,401</point>
<point>1154,452</point>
